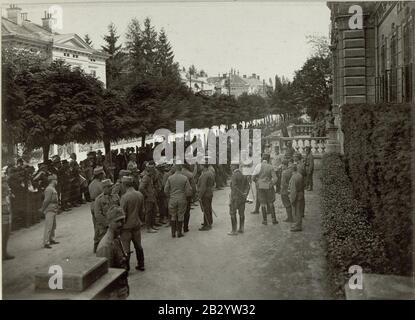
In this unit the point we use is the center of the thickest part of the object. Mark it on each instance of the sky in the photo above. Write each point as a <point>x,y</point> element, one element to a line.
<point>265,38</point>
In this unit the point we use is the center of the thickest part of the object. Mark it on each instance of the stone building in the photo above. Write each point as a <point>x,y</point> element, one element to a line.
<point>374,63</point>
<point>17,31</point>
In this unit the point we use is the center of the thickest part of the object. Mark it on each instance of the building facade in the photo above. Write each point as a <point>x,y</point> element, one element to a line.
<point>235,85</point>
<point>19,32</point>
<point>375,62</point>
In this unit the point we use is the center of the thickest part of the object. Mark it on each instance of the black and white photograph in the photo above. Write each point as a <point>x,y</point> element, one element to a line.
<point>207,151</point>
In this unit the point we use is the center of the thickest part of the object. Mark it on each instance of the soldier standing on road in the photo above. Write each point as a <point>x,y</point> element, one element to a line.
<point>239,192</point>
<point>309,168</point>
<point>50,210</point>
<point>285,182</point>
<point>191,176</point>
<point>119,188</point>
<point>147,189</point>
<point>95,189</point>
<point>103,203</point>
<point>111,247</point>
<point>297,198</point>
<point>177,190</point>
<point>132,204</point>
<point>205,186</point>
<point>266,179</point>
<point>301,170</point>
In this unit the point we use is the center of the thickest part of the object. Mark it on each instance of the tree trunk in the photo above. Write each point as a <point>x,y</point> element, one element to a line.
<point>45,148</point>
<point>143,140</point>
<point>107,147</point>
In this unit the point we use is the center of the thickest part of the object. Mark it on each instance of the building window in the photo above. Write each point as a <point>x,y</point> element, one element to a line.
<point>393,79</point>
<point>407,79</point>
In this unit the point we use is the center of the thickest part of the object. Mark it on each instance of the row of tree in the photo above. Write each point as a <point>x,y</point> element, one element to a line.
<point>53,103</point>
<point>311,87</point>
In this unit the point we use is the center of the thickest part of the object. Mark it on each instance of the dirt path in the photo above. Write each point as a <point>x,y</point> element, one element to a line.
<point>266,262</point>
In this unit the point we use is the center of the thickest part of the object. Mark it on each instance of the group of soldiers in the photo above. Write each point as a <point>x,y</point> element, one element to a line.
<point>290,175</point>
<point>140,195</point>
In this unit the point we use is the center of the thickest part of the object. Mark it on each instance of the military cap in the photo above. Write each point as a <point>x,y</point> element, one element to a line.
<point>107,183</point>
<point>56,158</point>
<point>115,214</point>
<point>65,162</point>
<point>127,179</point>
<point>52,177</point>
<point>98,170</point>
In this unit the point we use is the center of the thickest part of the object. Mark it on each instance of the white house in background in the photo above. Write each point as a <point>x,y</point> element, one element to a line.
<point>197,84</point>
<point>19,32</point>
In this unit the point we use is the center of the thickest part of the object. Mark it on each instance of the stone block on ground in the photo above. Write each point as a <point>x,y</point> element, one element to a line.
<point>77,274</point>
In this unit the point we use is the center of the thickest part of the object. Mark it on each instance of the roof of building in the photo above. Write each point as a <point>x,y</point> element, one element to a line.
<point>32,31</point>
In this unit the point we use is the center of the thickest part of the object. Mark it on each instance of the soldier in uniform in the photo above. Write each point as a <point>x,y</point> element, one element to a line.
<point>119,188</point>
<point>103,203</point>
<point>301,170</point>
<point>266,179</point>
<point>191,176</point>
<point>75,183</point>
<point>309,168</point>
<point>95,189</point>
<point>205,186</point>
<point>161,198</point>
<point>239,192</point>
<point>177,190</point>
<point>5,218</point>
<point>111,247</point>
<point>132,204</point>
<point>285,182</point>
<point>147,189</point>
<point>50,210</point>
<point>65,185</point>
<point>296,198</point>
<point>289,153</point>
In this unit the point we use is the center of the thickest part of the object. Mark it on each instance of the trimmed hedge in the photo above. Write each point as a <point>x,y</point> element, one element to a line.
<point>377,145</point>
<point>350,237</point>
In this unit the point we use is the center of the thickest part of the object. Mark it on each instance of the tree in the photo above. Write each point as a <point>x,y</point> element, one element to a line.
<point>149,38</point>
<point>117,119</point>
<point>61,106</point>
<point>14,62</point>
<point>313,82</point>
<point>165,57</point>
<point>115,61</point>
<point>88,40</point>
<point>282,99</point>
<point>313,86</point>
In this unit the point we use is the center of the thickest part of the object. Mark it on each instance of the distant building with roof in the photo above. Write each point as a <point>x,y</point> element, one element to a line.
<point>233,84</point>
<point>19,32</point>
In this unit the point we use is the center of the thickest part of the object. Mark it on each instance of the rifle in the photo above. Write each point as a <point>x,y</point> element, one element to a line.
<point>126,256</point>
<point>201,207</point>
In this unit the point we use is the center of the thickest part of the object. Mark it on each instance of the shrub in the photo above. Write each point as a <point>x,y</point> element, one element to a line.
<point>350,238</point>
<point>377,144</point>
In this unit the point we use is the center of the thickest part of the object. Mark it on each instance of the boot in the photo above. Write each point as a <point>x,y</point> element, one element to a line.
<point>289,215</point>
<point>179,229</point>
<point>173,228</point>
<point>241,223</point>
<point>234,223</point>
<point>264,215</point>
<point>273,216</point>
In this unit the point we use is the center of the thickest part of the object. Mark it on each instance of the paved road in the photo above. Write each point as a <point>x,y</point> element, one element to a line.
<point>266,262</point>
